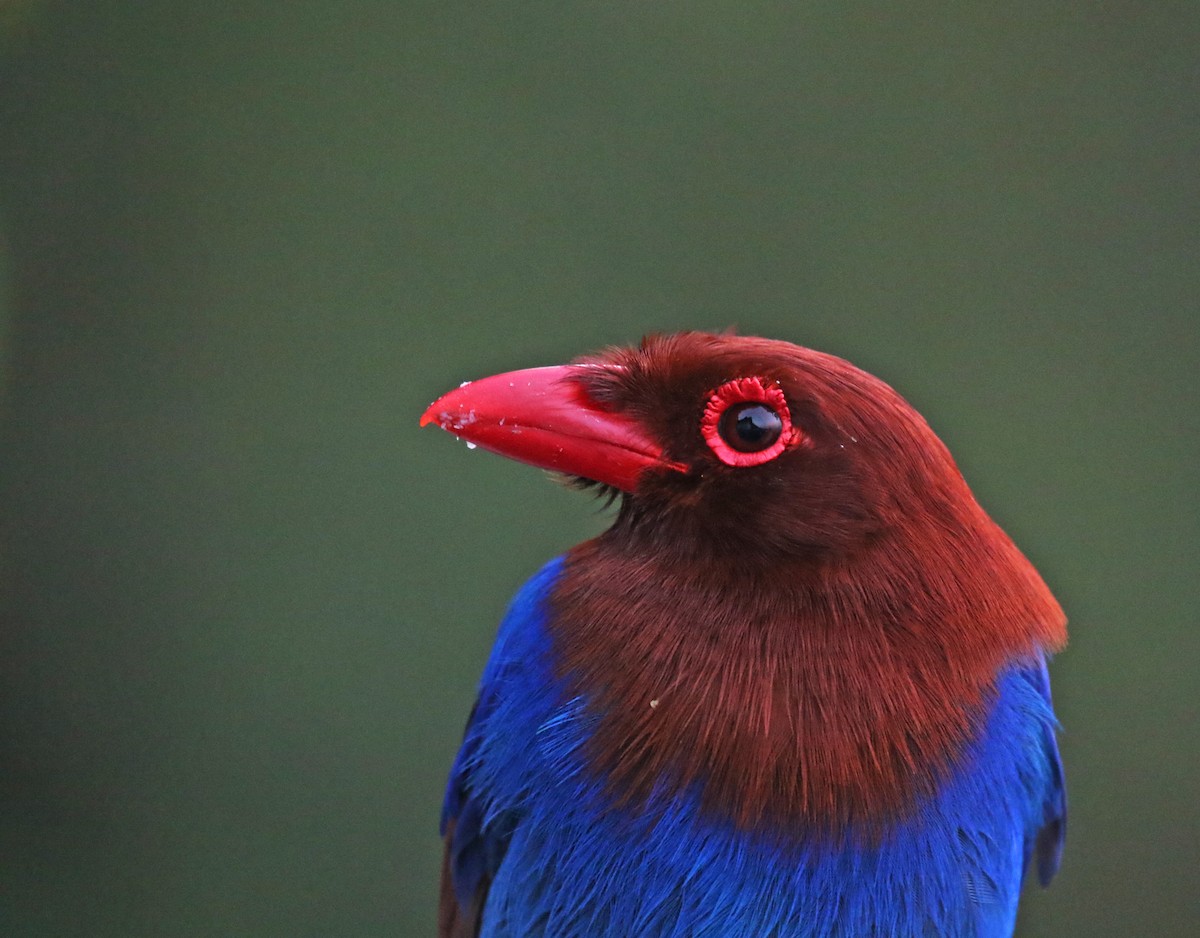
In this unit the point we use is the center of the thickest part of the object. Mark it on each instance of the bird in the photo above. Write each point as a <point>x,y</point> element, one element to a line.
<point>798,687</point>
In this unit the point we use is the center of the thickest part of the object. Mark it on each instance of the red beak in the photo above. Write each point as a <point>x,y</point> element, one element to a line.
<point>541,417</point>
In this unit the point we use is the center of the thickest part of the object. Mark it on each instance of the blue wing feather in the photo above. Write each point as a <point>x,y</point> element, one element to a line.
<point>476,834</point>
<point>1053,832</point>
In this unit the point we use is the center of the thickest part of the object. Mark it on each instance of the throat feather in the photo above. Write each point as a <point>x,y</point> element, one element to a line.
<point>825,706</point>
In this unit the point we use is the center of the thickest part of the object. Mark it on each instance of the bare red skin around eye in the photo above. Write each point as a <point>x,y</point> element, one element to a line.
<point>746,391</point>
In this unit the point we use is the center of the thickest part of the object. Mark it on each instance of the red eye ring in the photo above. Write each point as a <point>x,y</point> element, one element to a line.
<point>765,400</point>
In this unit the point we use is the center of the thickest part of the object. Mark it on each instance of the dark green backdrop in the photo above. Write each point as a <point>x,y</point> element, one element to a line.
<point>245,601</point>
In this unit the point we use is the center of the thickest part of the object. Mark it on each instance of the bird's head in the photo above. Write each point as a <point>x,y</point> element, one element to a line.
<point>796,557</point>
<point>745,446</point>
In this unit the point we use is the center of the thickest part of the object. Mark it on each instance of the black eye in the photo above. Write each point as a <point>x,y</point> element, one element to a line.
<point>750,427</point>
<point>747,422</point>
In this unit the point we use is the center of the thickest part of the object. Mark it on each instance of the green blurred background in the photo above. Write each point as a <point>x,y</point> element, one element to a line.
<point>245,600</point>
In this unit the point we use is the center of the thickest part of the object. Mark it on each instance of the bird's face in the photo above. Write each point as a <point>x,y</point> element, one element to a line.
<point>737,445</point>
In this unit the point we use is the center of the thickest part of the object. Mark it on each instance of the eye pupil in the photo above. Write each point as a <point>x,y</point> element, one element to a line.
<point>750,427</point>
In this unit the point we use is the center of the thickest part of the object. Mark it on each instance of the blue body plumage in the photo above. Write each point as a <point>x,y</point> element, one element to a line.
<point>533,822</point>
